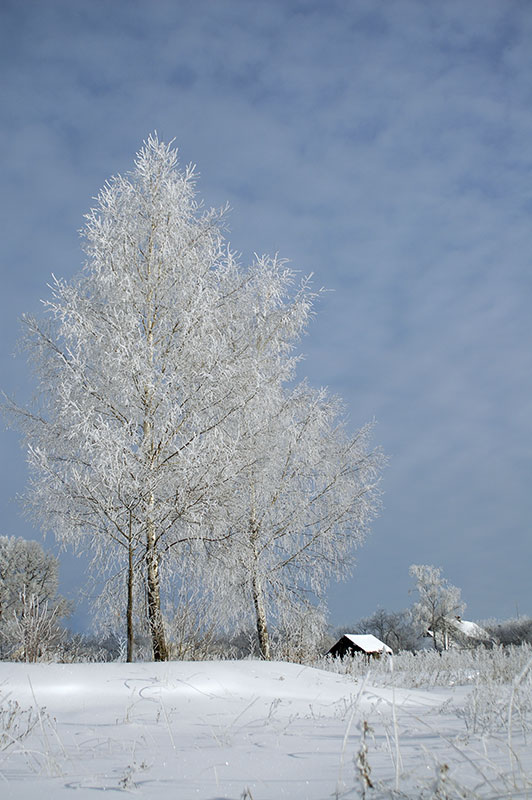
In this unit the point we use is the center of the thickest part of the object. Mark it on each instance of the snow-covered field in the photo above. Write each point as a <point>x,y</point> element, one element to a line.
<point>248,729</point>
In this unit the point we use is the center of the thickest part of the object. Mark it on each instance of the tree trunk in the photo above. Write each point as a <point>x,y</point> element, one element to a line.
<point>130,639</point>
<point>256,585</point>
<point>260,614</point>
<point>155,618</point>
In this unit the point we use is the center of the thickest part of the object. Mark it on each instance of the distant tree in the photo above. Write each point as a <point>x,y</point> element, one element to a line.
<point>514,631</point>
<point>30,607</point>
<point>439,602</point>
<point>397,629</point>
<point>143,362</point>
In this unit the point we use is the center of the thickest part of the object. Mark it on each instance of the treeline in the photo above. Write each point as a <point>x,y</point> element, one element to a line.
<point>34,622</point>
<point>401,631</point>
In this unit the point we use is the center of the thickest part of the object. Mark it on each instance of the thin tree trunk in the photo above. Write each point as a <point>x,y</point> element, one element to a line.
<point>260,615</point>
<point>130,639</point>
<point>256,585</point>
<point>155,618</point>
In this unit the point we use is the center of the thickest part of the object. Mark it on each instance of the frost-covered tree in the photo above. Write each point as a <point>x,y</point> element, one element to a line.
<point>301,634</point>
<point>142,363</point>
<point>301,502</point>
<point>30,607</point>
<point>514,631</point>
<point>397,629</point>
<point>439,602</point>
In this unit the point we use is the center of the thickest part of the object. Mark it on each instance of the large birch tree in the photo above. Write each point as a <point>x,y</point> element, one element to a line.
<point>143,362</point>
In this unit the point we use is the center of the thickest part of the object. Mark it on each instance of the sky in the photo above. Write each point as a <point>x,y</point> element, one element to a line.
<point>383,145</point>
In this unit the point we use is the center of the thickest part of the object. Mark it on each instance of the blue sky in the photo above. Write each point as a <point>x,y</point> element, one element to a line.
<point>385,146</point>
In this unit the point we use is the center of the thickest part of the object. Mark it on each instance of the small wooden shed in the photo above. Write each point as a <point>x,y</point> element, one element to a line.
<point>352,643</point>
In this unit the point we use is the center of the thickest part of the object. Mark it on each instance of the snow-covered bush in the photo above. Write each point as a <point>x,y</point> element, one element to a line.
<point>30,608</point>
<point>427,669</point>
<point>497,702</point>
<point>34,634</point>
<point>16,723</point>
<point>300,634</point>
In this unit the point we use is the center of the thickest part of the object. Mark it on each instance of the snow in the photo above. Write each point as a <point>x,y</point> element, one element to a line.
<point>230,730</point>
<point>470,629</point>
<point>368,643</point>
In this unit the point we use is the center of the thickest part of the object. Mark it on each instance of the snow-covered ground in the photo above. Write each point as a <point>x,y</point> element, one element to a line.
<point>247,729</point>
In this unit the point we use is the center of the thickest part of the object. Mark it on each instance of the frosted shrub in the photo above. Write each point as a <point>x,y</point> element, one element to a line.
<point>300,634</point>
<point>494,705</point>
<point>190,618</point>
<point>30,608</point>
<point>427,669</point>
<point>486,708</point>
<point>16,723</point>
